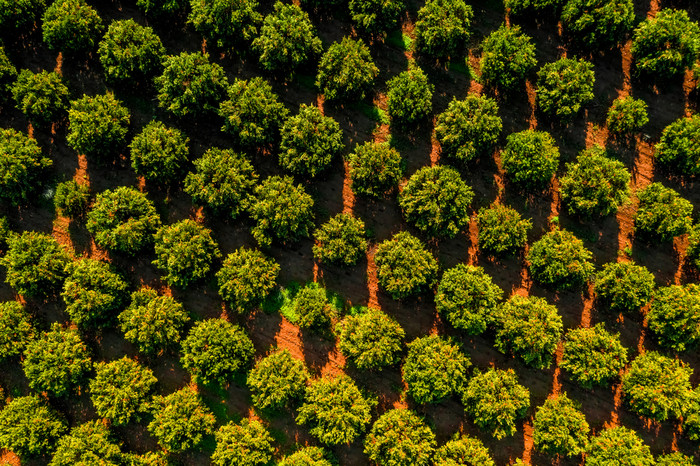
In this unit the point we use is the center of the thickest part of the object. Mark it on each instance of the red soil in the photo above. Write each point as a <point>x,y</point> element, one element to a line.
<point>372,282</point>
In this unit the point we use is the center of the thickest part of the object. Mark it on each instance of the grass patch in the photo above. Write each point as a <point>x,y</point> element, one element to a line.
<point>374,113</point>
<point>282,301</point>
<point>400,40</point>
<point>305,80</point>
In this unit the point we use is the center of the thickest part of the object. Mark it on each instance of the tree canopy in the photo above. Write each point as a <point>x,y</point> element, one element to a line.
<point>341,240</point>
<point>564,86</point>
<point>247,443</point>
<point>662,213</point>
<point>560,428</point>
<point>97,125</point>
<point>593,356</point>
<point>674,316</point>
<point>618,445</point>
<point>502,229</point>
<point>130,52</point>
<point>246,278</point>
<point>22,166</point>
<point>507,58</point>
<point>530,159</point>
<point>30,427</point>
<point>624,286</point>
<point>559,259</point>
<point>346,70</point>
<point>404,266</point>
<point>375,168</point>
<point>442,28</point>
<point>277,380</point>
<point>371,339</point>
<point>159,153</point>
<point>401,438</point>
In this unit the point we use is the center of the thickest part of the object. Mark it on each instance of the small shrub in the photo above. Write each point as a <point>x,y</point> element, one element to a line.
<point>530,159</point>
<point>42,97</point>
<point>277,380</point>
<point>468,298</point>
<point>215,350</point>
<point>310,140</point>
<point>247,443</point>
<point>400,438</point>
<point>30,427</point>
<point>346,71</point>
<point>71,26</point>
<point>560,428</point>
<point>35,263</point>
<point>464,450</point>
<point>662,213</point>
<point>674,316</point>
<point>436,200</point>
<point>495,400</point>
<point>624,285</point>
<point>180,420</point>
<point>335,410</point>
<point>443,27</point>
<point>253,114</point>
<point>627,115</point>
<point>502,229</point>
<point>559,259</point>
<point>153,323</point>
<point>370,340</point>
<point>434,369</point>
<point>508,56</point>
<point>529,328</point>
<point>313,308</point>
<point>159,153</point>
<point>341,240</point>
<point>468,128</point>
<point>598,23</point>
<point>16,330</point>
<point>593,356</point>
<point>97,125</point>
<point>246,278</point>
<point>375,168</point>
<point>404,266</point>
<point>22,166</point>
<point>595,185</point>
<point>86,443</point>
<point>307,456</point>
<point>93,292</point>
<point>375,16</point>
<point>71,199</point>
<point>225,22</point>
<point>618,445</point>
<point>564,86</point>
<point>123,220</point>
<point>56,361</point>
<point>130,52</point>
<point>184,252</point>
<point>679,149</point>
<point>409,97</point>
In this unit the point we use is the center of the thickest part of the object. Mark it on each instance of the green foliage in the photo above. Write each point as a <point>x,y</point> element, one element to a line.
<point>436,200</point>
<point>335,410</point>
<point>121,390</point>
<point>657,387</point>
<point>190,84</point>
<point>215,350</point>
<point>246,278</point>
<point>341,240</point>
<point>93,292</point>
<point>675,316</point>
<point>346,71</point>
<point>287,39</point>
<point>502,229</point>
<point>624,285</point>
<point>22,166</point>
<point>593,356</point>
<point>71,26</point>
<point>223,181</point>
<point>691,416</point>
<point>468,128</point>
<point>679,148</point>
<point>277,380</point>
<point>675,459</point>
<point>8,73</point>
<point>666,45</point>
<point>507,56</point>
<point>161,8</point>
<point>184,252</point>
<point>375,168</point>
<point>34,263</point>
<point>468,298</point>
<point>310,140</point>
<point>308,456</point>
<point>71,199</point>
<point>281,211</point>
<point>253,113</point>
<point>692,252</point>
<point>153,323</point>
<point>520,7</point>
<point>400,438</point>
<point>41,97</point>
<point>123,220</point>
<point>18,16</point>
<point>180,420</point>
<point>313,308</point>
<point>370,340</point>
<point>376,16</point>
<point>16,330</point>
<point>564,86</point>
<point>528,327</point>
<point>619,446</point>
<point>97,125</point>
<point>443,27</point>
<point>159,152</point>
<point>560,260</point>
<point>245,444</point>
<point>56,361</point>
<point>225,22</point>
<point>597,23</point>
<point>434,369</point>
<point>409,97</point>
<point>495,400</point>
<point>662,213</point>
<point>627,115</point>
<point>29,427</point>
<point>87,444</point>
<point>404,266</point>
<point>595,185</point>
<point>130,52</point>
<point>463,451</point>
<point>560,428</point>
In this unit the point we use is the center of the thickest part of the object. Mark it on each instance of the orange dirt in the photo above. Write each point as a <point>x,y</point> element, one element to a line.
<point>556,382</point>
<point>588,303</point>
<point>9,458</point>
<point>372,282</point>
<point>473,250</point>
<point>527,440</point>
<point>532,102</point>
<point>348,194</point>
<point>59,64</point>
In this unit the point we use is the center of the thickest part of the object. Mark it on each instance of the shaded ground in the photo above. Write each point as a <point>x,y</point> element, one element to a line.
<point>610,239</point>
